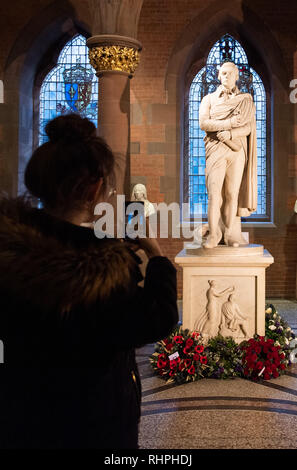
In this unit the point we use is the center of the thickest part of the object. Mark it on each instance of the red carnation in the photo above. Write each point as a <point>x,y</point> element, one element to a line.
<point>161,364</point>
<point>188,362</point>
<point>282,366</point>
<point>195,334</point>
<point>196,357</point>
<point>172,373</point>
<point>169,346</point>
<point>199,349</point>
<point>191,370</point>
<point>178,339</point>
<point>189,342</point>
<point>203,359</point>
<point>186,351</point>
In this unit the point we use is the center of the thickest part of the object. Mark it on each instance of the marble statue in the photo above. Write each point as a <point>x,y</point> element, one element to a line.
<point>232,318</point>
<point>209,323</point>
<point>228,118</point>
<point>139,193</point>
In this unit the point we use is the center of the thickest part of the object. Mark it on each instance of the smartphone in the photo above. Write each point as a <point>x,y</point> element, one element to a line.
<point>134,220</point>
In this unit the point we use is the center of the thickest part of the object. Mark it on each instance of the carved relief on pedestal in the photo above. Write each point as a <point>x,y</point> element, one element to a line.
<point>222,314</point>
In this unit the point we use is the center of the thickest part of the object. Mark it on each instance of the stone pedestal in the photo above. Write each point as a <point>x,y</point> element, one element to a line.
<point>224,290</point>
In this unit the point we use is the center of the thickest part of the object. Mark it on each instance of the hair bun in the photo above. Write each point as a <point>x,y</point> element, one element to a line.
<point>71,127</point>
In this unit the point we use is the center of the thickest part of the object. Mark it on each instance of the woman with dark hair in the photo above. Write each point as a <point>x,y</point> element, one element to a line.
<point>72,312</point>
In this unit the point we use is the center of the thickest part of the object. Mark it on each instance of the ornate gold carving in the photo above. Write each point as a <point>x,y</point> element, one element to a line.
<point>119,58</point>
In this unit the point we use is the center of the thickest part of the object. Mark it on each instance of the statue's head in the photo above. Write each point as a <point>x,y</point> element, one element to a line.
<point>231,298</point>
<point>212,283</point>
<point>228,75</point>
<point>139,192</point>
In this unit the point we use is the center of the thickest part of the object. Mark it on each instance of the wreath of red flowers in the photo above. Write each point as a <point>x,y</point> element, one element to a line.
<point>179,357</point>
<point>262,360</point>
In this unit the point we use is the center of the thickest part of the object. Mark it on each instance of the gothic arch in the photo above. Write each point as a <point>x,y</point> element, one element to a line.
<point>189,55</point>
<point>197,38</point>
<point>26,63</point>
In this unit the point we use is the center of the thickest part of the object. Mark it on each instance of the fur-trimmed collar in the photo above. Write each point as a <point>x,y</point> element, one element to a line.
<point>53,264</point>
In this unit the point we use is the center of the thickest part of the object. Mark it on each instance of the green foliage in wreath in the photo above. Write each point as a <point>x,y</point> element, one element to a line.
<point>224,358</point>
<point>278,329</point>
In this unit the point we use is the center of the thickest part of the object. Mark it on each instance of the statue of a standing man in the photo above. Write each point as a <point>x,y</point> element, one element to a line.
<point>228,118</point>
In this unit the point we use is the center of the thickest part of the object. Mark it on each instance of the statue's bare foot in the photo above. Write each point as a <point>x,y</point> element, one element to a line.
<point>213,240</point>
<point>230,241</point>
<point>233,243</point>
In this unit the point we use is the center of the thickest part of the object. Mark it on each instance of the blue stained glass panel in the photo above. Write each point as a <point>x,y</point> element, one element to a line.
<point>206,81</point>
<point>72,86</point>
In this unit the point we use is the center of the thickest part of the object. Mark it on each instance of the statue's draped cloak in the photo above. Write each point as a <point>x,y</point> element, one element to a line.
<point>216,151</point>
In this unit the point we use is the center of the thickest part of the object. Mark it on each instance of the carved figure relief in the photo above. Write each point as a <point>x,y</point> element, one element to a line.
<point>232,319</point>
<point>221,317</point>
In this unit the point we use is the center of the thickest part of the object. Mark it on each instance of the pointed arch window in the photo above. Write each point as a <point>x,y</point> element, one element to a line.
<point>206,81</point>
<point>71,87</point>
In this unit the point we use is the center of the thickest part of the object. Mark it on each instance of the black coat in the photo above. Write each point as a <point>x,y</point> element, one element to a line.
<point>71,315</point>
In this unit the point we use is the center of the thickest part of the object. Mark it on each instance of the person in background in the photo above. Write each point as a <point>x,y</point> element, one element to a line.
<point>72,312</point>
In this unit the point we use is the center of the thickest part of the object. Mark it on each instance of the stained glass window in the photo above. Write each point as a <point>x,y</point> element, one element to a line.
<point>206,81</point>
<point>71,87</point>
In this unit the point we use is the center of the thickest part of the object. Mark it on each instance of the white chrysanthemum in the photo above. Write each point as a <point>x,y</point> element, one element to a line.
<point>269,310</point>
<point>272,327</point>
<point>286,341</point>
<point>276,343</point>
<point>274,315</point>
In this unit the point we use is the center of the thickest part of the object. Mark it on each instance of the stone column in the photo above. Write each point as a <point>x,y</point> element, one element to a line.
<point>114,53</point>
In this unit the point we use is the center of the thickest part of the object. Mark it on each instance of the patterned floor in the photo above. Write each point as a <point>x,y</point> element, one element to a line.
<point>220,414</point>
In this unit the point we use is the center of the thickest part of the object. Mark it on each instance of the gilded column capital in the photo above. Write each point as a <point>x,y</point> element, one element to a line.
<point>112,53</point>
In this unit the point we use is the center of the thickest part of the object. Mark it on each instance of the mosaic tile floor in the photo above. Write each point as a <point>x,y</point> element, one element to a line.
<point>220,414</point>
